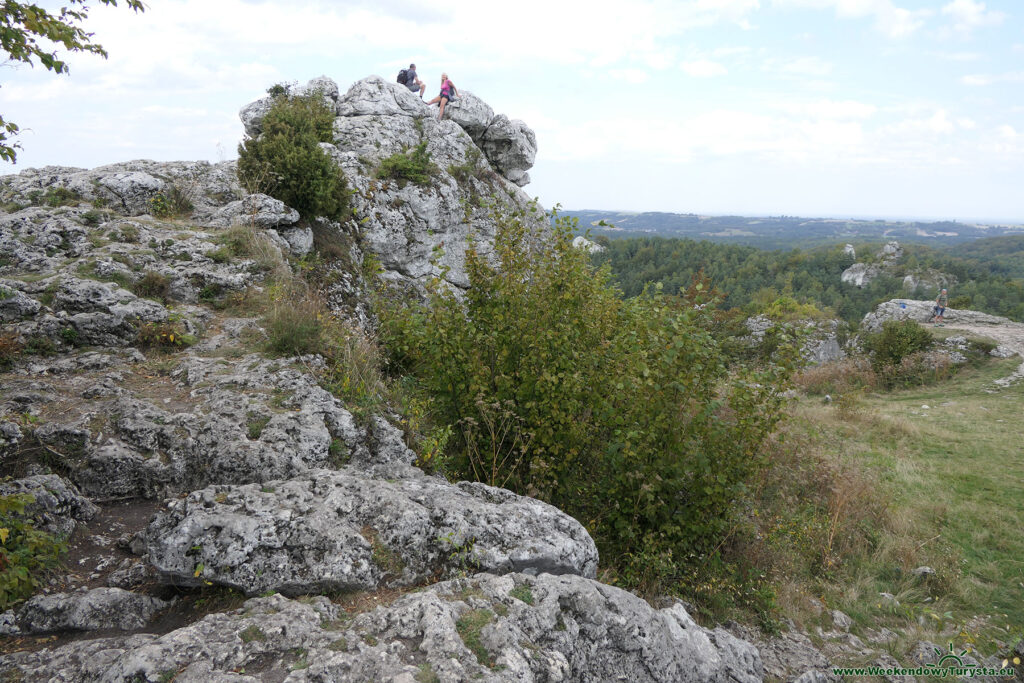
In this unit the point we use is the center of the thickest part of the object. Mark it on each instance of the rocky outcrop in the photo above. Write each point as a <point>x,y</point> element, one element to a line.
<point>128,188</point>
<point>358,533</point>
<point>56,503</point>
<point>860,274</point>
<point>921,311</point>
<point>492,628</point>
<point>887,262</point>
<point>822,340</point>
<point>419,232</point>
<point>92,610</point>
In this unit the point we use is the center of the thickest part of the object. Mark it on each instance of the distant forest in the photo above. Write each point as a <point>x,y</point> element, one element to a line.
<point>989,273</point>
<point>785,232</point>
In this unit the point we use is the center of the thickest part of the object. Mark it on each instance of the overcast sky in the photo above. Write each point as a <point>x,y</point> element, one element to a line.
<point>898,108</point>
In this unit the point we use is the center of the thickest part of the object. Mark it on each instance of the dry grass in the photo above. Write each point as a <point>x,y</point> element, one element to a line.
<point>841,377</point>
<point>909,478</point>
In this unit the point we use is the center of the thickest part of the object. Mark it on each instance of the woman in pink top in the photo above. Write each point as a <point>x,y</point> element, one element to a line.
<point>448,91</point>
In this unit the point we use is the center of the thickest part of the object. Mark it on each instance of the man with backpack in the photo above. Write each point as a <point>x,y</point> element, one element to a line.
<point>407,77</point>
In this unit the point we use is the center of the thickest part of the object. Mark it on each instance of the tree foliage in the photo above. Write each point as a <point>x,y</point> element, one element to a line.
<point>286,160</point>
<point>623,412</point>
<point>26,553</point>
<point>989,274</point>
<point>24,25</point>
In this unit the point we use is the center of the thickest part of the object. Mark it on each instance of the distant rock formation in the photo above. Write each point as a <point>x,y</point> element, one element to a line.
<point>886,261</point>
<point>822,344</point>
<point>921,311</point>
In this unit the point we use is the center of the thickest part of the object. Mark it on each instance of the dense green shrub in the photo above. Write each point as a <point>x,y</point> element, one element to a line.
<point>897,340</point>
<point>412,165</point>
<point>621,412</point>
<point>287,163</point>
<point>26,553</point>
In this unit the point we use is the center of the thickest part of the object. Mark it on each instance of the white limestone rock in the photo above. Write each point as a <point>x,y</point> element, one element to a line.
<point>573,629</point>
<point>358,533</point>
<point>88,610</point>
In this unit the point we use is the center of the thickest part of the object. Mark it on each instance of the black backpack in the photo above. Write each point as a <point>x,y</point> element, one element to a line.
<point>402,76</point>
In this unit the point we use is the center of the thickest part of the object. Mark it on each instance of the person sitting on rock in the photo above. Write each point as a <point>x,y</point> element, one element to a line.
<point>448,92</point>
<point>413,83</point>
<point>940,309</point>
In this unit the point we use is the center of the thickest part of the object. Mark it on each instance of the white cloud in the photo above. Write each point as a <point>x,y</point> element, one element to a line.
<point>968,15</point>
<point>890,20</point>
<point>1008,132</point>
<point>800,66</point>
<point>958,56</point>
<point>633,76</point>
<point>703,68</point>
<point>939,123</point>
<point>990,79</point>
<point>829,109</point>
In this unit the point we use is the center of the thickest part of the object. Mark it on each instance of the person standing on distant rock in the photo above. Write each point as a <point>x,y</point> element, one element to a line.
<point>940,309</point>
<point>448,92</point>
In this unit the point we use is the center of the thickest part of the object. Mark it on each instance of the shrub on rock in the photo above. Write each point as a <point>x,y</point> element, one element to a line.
<point>286,160</point>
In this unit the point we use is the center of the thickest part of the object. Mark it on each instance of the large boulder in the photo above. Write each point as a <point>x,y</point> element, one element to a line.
<point>56,502</point>
<point>256,210</point>
<point>511,147</point>
<point>248,420</point>
<point>490,628</point>
<point>88,610</point>
<point>356,533</point>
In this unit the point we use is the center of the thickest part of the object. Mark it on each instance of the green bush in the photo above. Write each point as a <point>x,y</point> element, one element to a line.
<point>59,196</point>
<point>896,341</point>
<point>26,553</point>
<point>621,412</point>
<point>287,163</point>
<point>412,165</point>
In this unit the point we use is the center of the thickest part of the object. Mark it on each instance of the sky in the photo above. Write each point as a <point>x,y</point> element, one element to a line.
<point>825,108</point>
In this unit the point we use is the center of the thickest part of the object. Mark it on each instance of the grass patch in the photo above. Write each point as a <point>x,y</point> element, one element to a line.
<point>523,593</point>
<point>252,633</point>
<point>10,349</point>
<point>255,425</point>
<point>426,674</point>
<point>921,476</point>
<point>412,165</point>
<point>246,242</point>
<point>469,627</point>
<point>152,285</point>
<point>384,557</point>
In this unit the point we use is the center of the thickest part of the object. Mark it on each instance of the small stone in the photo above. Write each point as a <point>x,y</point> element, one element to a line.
<point>923,571</point>
<point>841,620</point>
